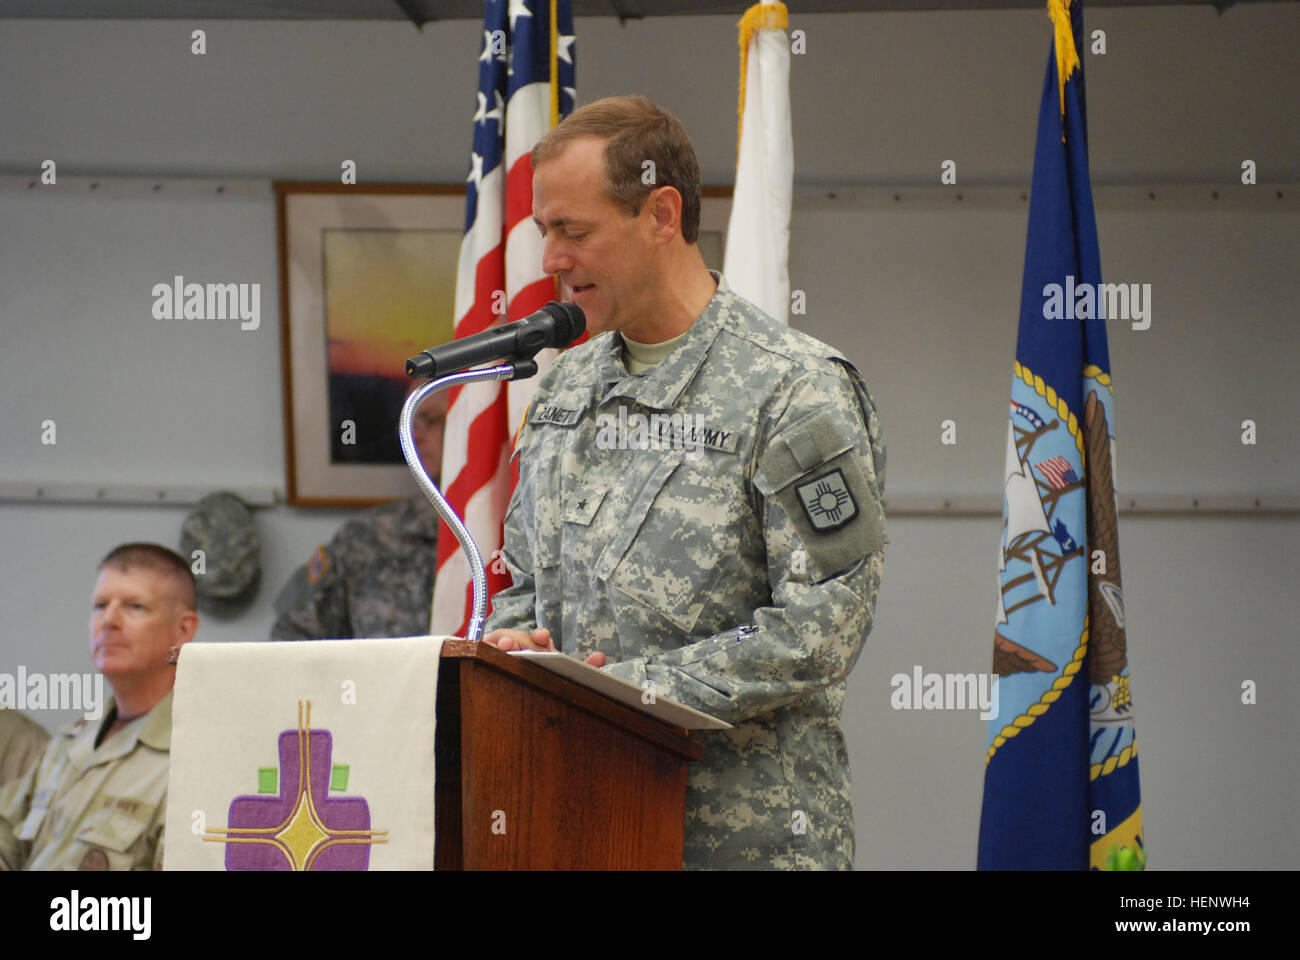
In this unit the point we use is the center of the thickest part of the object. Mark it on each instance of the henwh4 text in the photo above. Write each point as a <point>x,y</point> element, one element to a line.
<point>179,300</point>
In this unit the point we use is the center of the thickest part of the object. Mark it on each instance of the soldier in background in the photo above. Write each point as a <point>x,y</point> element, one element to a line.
<point>375,577</point>
<point>97,799</point>
<point>22,741</point>
<point>729,558</point>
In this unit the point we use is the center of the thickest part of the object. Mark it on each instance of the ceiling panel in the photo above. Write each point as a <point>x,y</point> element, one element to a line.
<point>425,11</point>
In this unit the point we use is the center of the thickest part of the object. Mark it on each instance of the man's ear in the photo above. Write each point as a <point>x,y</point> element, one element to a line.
<point>665,213</point>
<point>188,625</point>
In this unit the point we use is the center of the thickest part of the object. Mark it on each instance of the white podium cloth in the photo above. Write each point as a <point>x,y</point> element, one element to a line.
<point>303,755</point>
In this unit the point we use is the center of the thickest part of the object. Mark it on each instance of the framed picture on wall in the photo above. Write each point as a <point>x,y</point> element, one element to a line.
<point>368,279</point>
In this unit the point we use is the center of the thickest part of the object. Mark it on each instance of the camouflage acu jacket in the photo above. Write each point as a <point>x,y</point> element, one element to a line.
<point>373,579</point>
<point>714,527</point>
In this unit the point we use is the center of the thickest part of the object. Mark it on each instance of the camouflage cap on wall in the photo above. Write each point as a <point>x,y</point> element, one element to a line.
<point>229,568</point>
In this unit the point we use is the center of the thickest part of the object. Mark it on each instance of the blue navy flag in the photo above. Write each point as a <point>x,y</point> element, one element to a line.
<point>1061,776</point>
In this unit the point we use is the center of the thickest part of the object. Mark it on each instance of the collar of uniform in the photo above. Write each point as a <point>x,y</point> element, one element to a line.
<point>156,729</point>
<point>661,386</point>
<point>153,729</point>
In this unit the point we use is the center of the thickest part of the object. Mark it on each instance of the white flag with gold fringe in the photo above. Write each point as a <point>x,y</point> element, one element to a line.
<point>757,261</point>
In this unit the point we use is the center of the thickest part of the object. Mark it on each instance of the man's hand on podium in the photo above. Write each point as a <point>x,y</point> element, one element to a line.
<point>539,639</point>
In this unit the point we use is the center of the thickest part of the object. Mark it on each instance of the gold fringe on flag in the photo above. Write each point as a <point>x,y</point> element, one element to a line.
<point>1067,57</point>
<point>761,16</point>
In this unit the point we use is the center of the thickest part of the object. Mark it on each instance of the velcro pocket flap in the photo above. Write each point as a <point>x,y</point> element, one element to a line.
<point>638,507</point>
<point>801,448</point>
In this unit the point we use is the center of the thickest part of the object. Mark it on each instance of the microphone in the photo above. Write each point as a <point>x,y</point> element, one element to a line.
<point>555,325</point>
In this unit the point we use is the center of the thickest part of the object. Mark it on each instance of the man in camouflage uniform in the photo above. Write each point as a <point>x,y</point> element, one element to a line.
<point>375,577</point>
<point>707,521</point>
<point>97,799</point>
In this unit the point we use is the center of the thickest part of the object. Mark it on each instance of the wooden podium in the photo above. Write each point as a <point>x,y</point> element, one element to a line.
<point>537,772</point>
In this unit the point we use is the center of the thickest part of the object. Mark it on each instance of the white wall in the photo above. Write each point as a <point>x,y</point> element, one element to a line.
<point>924,299</point>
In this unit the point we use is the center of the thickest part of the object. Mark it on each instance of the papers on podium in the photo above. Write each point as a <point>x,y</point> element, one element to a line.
<point>623,691</point>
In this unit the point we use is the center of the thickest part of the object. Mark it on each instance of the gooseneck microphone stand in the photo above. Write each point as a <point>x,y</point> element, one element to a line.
<point>514,369</point>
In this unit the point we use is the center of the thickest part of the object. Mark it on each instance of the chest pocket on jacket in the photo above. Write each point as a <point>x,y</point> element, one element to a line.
<point>663,555</point>
<point>108,838</point>
<point>565,519</point>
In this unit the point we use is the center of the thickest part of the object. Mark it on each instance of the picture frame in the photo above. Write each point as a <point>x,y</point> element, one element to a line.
<point>368,278</point>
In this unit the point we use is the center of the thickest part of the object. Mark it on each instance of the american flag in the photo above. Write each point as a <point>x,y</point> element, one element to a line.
<point>499,274</point>
<point>1057,472</point>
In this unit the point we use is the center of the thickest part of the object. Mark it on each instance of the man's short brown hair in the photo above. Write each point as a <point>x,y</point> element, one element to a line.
<point>634,131</point>
<point>153,556</point>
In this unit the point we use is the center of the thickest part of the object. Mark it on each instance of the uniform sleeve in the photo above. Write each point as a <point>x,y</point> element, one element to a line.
<point>15,805</point>
<point>317,607</point>
<point>823,527</point>
<point>22,741</point>
<point>515,607</point>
